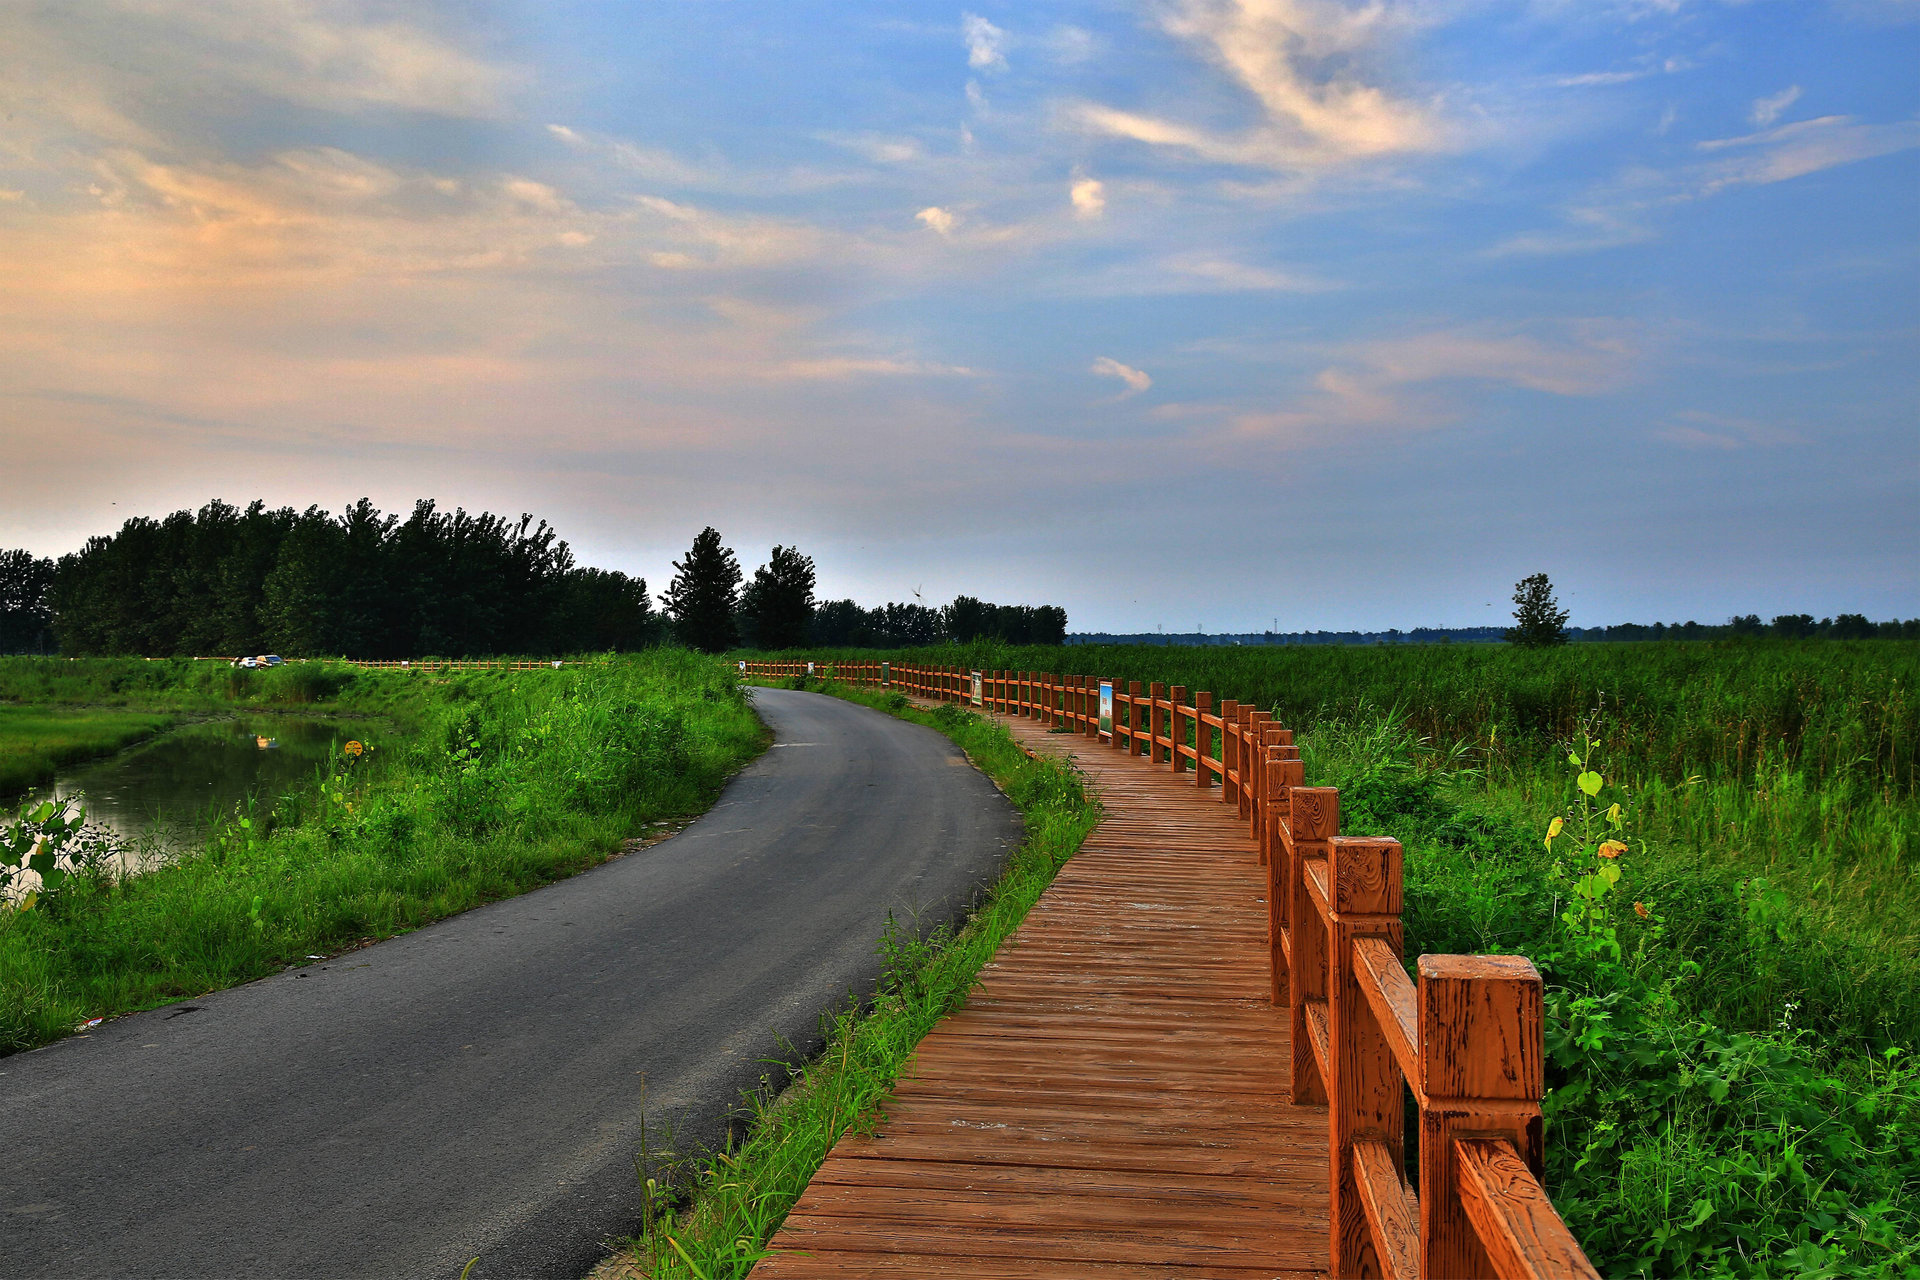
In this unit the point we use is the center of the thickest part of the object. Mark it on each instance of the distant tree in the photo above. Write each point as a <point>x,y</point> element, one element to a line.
<point>1747,624</point>
<point>1851,626</point>
<point>26,603</point>
<point>776,609</point>
<point>298,609</point>
<point>1794,626</point>
<point>968,619</point>
<point>605,610</point>
<point>842,624</point>
<point>704,594</point>
<point>911,626</point>
<point>1538,621</point>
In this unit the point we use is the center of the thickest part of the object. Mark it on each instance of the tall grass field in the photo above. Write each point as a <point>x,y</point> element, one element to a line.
<point>1733,999</point>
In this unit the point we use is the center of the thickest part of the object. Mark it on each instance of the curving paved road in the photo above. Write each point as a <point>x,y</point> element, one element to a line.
<point>473,1088</point>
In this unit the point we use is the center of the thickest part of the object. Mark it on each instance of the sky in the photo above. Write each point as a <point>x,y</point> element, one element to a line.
<point>1224,314</point>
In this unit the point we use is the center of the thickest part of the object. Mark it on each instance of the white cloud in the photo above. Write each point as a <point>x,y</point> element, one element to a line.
<point>938,219</point>
<point>1625,212</point>
<point>1089,196</point>
<point>1806,146</point>
<point>878,148</point>
<point>1767,110</point>
<point>1306,62</point>
<point>1108,367</point>
<point>1226,275</point>
<point>1697,429</point>
<point>1398,382</point>
<point>1593,78</point>
<point>1071,46</point>
<point>836,368</point>
<point>984,42</point>
<point>129,56</point>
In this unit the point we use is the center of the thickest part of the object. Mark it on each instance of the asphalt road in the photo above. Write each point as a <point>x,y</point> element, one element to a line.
<point>473,1088</point>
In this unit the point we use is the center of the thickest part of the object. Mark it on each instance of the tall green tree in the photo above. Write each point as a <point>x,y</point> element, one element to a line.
<point>704,594</point>
<point>776,609</point>
<point>26,603</point>
<point>1538,620</point>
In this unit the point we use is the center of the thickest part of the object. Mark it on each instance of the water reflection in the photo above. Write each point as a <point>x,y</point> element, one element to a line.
<point>158,798</point>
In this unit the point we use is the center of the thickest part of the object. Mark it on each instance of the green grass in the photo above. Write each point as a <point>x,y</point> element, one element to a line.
<point>740,1196</point>
<point>35,741</point>
<point>510,780</point>
<point>1734,1092</point>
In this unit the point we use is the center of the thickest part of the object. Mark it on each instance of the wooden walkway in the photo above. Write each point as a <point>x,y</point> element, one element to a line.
<point>1113,1100</point>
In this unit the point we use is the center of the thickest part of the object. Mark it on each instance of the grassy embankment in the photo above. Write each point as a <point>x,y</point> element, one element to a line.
<point>1732,1086</point>
<point>738,1197</point>
<point>36,741</point>
<point>500,782</point>
<point>55,712</point>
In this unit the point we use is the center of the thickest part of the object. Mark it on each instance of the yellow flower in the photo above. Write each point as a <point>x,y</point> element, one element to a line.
<point>1612,849</point>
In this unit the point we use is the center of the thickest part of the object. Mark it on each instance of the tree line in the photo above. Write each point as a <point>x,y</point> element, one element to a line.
<point>227,581</point>
<point>714,607</point>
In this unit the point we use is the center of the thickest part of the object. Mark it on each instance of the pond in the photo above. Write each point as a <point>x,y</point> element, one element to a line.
<point>160,797</point>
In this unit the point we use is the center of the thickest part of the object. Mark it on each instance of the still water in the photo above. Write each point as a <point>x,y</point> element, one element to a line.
<point>158,798</point>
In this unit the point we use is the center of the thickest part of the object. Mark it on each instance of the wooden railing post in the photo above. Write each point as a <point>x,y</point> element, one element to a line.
<point>1202,740</point>
<point>1274,798</point>
<point>1256,732</point>
<point>1315,821</point>
<point>1232,776</point>
<point>1176,723</point>
<point>1364,1088</point>
<point>1483,1075</point>
<point>1156,722</point>
<point>1135,745</point>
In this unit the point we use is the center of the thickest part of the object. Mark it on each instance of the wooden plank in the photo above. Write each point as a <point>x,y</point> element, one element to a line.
<point>1393,997</point>
<point>1517,1225</point>
<point>1391,1216</point>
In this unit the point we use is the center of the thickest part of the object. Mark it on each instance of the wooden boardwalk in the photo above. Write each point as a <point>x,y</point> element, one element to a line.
<point>1113,1100</point>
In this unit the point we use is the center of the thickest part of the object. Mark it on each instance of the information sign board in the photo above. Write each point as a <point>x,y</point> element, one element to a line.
<point>1106,708</point>
<point>977,699</point>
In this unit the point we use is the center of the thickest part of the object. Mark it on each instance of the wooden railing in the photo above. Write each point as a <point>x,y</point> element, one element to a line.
<point>1465,1038</point>
<point>461,664</point>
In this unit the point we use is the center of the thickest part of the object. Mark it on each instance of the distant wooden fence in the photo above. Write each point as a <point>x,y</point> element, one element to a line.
<point>1466,1039</point>
<point>425,664</point>
<point>460,664</point>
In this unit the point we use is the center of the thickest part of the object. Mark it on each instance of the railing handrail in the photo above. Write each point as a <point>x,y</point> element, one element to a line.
<point>1466,1039</point>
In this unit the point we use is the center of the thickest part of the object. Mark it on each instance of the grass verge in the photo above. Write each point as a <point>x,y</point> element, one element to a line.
<point>729,1203</point>
<point>36,741</point>
<point>511,780</point>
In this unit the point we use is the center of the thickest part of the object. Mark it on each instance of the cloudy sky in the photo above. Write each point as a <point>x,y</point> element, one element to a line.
<point>1175,312</point>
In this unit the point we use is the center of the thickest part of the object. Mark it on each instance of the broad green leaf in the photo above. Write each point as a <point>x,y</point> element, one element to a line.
<point>1590,782</point>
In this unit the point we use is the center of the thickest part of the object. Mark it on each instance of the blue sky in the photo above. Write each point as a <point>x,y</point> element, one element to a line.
<point>1206,312</point>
